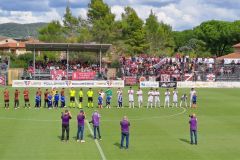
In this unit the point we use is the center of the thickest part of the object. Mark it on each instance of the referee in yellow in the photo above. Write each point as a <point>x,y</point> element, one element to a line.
<point>80,94</point>
<point>72,97</point>
<point>90,97</point>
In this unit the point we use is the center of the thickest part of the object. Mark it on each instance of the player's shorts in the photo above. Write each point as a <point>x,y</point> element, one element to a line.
<point>157,99</point>
<point>140,99</point>
<point>108,102</point>
<point>16,100</point>
<point>150,99</point>
<point>194,102</point>
<point>72,99</point>
<point>99,103</point>
<point>175,100</point>
<point>26,100</point>
<point>90,99</point>
<point>80,99</point>
<point>6,101</point>
<point>131,99</point>
<point>167,100</point>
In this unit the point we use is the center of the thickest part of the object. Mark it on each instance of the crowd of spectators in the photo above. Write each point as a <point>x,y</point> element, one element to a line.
<point>145,65</point>
<point>46,67</point>
<point>4,61</point>
<point>42,67</point>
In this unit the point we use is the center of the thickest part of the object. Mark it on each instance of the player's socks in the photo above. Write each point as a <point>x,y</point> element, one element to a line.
<point>88,105</point>
<point>92,104</point>
<point>80,105</point>
<point>130,105</point>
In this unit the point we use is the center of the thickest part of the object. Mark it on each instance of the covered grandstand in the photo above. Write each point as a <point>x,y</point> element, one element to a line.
<point>67,47</point>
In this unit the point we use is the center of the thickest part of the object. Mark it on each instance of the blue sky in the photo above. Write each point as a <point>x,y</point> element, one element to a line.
<point>180,14</point>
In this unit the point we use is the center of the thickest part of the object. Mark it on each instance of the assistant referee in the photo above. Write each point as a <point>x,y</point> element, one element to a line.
<point>90,97</point>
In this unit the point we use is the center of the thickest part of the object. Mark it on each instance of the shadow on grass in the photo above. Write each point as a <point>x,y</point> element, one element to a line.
<point>117,145</point>
<point>89,136</point>
<point>59,137</point>
<point>184,140</point>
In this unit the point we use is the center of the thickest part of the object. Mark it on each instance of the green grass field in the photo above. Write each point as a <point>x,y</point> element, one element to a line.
<point>161,134</point>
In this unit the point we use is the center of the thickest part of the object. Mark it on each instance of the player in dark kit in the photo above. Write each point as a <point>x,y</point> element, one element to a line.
<point>37,101</point>
<point>62,92</point>
<point>62,98</point>
<point>26,97</point>
<point>16,99</point>
<point>39,92</point>
<point>56,99</point>
<point>49,101</point>
<point>6,98</point>
<point>46,98</point>
<point>66,116</point>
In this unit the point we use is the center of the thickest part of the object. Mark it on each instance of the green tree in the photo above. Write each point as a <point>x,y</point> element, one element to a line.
<point>101,20</point>
<point>159,35</point>
<point>218,35</point>
<point>133,33</point>
<point>182,37</point>
<point>53,32</point>
<point>70,26</point>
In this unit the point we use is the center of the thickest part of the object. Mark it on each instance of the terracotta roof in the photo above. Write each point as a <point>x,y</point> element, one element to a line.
<point>237,45</point>
<point>13,45</point>
<point>3,38</point>
<point>230,56</point>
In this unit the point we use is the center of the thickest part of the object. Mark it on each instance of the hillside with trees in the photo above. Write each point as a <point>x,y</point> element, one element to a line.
<point>15,30</point>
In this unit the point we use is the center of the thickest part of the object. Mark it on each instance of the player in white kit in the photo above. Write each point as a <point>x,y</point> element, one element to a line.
<point>167,98</point>
<point>184,100</point>
<point>131,97</point>
<point>157,98</point>
<point>175,98</point>
<point>119,92</point>
<point>191,95</point>
<point>150,98</point>
<point>140,97</point>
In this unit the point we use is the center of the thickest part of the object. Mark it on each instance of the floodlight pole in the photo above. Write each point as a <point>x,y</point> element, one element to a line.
<point>34,61</point>
<point>100,60</point>
<point>67,62</point>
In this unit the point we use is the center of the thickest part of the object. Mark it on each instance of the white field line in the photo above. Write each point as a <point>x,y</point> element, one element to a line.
<point>97,143</point>
<point>95,140</point>
<point>106,120</point>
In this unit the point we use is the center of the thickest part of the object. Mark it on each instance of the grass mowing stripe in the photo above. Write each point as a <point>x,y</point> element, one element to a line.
<point>96,141</point>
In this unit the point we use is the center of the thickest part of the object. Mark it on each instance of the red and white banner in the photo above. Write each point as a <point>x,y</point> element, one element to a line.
<point>83,75</point>
<point>58,74</point>
<point>188,77</point>
<point>130,80</point>
<point>2,80</point>
<point>67,83</point>
<point>211,77</point>
<point>165,78</point>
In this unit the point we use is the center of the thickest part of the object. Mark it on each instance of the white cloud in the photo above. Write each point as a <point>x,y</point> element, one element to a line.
<point>117,10</point>
<point>181,14</point>
<point>30,17</point>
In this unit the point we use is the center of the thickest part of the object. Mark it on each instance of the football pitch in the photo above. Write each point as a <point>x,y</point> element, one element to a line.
<point>155,134</point>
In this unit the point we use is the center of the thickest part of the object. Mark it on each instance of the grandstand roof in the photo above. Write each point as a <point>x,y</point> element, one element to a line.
<point>230,56</point>
<point>237,45</point>
<point>13,45</point>
<point>67,46</point>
